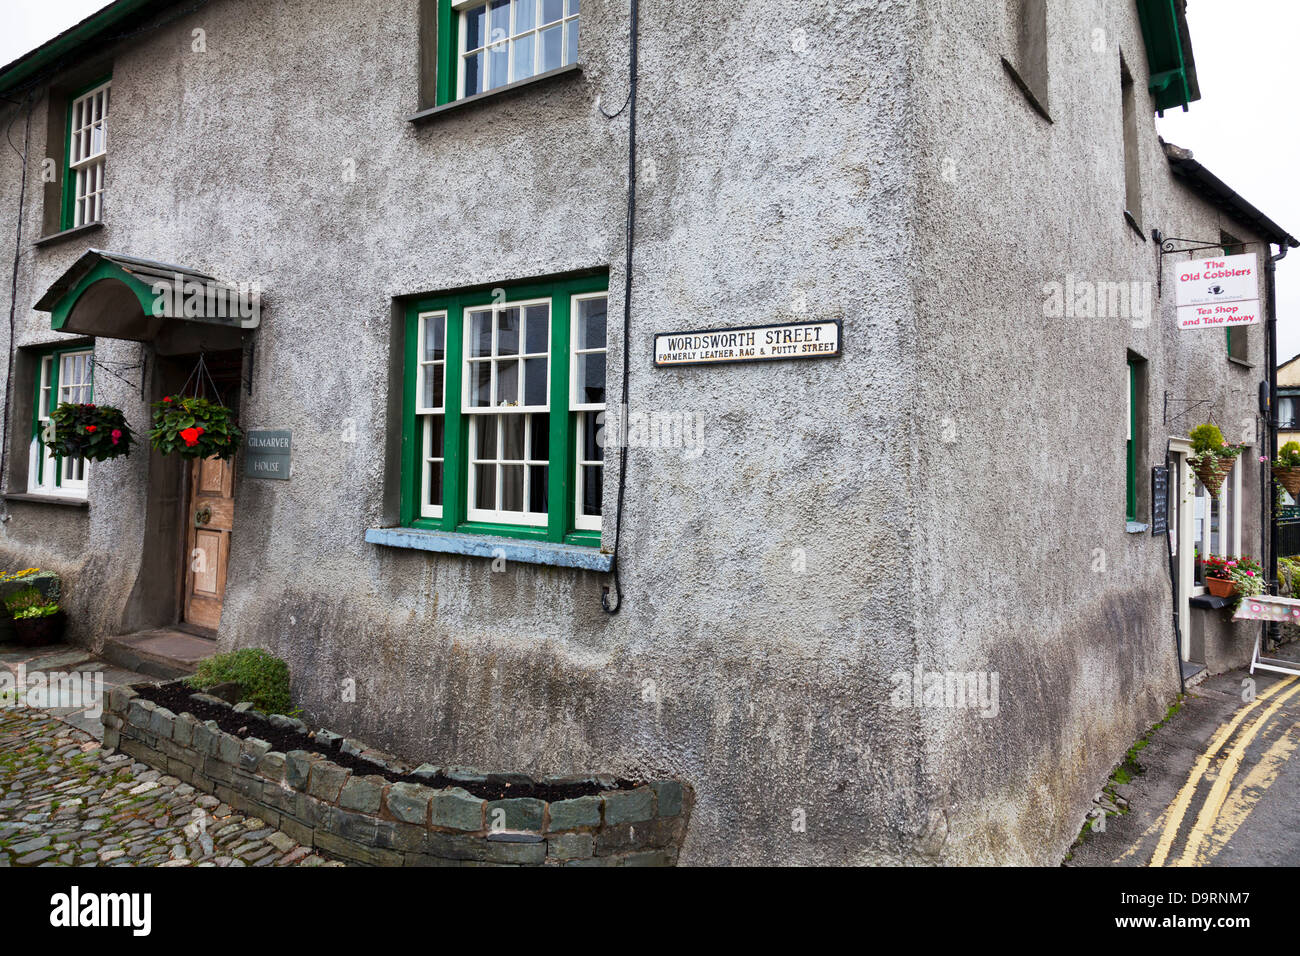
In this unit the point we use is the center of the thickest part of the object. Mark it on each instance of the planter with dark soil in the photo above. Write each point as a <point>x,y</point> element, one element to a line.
<point>40,631</point>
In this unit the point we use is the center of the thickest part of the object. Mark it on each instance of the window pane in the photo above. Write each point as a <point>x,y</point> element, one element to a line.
<point>432,386</point>
<point>474,74</point>
<point>487,436</point>
<point>538,330</point>
<point>592,487</point>
<point>508,382</point>
<point>480,335</point>
<point>573,7</point>
<point>525,15</point>
<point>571,42</point>
<point>591,378</point>
<point>537,490</point>
<point>485,487</point>
<point>541,428</point>
<point>524,52</point>
<point>435,483</point>
<point>552,10</point>
<point>435,345</point>
<point>552,48</point>
<point>498,66</point>
<point>508,332</point>
<point>480,389</point>
<point>474,21</point>
<point>535,381</point>
<point>512,437</point>
<point>499,19</point>
<point>592,438</point>
<point>512,487</point>
<point>591,324</point>
<point>434,450</point>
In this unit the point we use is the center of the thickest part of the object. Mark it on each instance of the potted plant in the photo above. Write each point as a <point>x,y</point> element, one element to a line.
<point>95,432</point>
<point>194,428</point>
<point>1234,578</point>
<point>38,620</point>
<point>1218,576</point>
<point>1212,458</point>
<point>1286,468</point>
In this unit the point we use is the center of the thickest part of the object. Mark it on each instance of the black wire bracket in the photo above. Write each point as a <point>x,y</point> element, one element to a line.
<point>1192,404</point>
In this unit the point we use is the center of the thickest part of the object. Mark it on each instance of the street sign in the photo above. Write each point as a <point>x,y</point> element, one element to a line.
<point>266,454</point>
<point>749,343</point>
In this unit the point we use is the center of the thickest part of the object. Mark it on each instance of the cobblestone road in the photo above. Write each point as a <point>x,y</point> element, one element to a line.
<point>64,801</point>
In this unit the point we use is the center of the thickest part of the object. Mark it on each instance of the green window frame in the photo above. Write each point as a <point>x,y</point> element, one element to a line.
<point>1130,452</point>
<point>529,32</point>
<point>47,393</point>
<point>79,155</point>
<point>560,522</point>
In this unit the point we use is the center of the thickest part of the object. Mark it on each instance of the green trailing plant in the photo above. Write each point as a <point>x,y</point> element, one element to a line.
<point>30,603</point>
<point>95,432</point>
<point>262,677</point>
<point>1288,456</point>
<point>194,428</point>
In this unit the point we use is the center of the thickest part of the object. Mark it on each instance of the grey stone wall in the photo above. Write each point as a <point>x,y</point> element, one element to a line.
<point>368,820</point>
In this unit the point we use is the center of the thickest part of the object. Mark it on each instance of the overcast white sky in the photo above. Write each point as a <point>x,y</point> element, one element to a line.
<point>1244,128</point>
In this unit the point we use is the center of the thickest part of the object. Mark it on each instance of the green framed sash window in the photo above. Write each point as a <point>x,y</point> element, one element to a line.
<point>1130,450</point>
<point>493,43</point>
<point>62,375</point>
<point>503,405</point>
<point>87,155</point>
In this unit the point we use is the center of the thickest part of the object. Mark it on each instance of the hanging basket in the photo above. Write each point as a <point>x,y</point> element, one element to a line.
<point>194,428</point>
<point>1212,470</point>
<point>1288,478</point>
<point>94,432</point>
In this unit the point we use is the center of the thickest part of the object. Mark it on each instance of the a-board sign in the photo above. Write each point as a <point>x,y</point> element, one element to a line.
<point>750,343</point>
<point>266,454</point>
<point>1159,499</point>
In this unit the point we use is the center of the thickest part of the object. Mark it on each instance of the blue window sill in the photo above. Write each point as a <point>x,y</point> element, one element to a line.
<point>512,549</point>
<point>1136,527</point>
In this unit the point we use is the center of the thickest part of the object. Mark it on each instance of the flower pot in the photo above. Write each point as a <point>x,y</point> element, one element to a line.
<point>40,631</point>
<point>1288,478</point>
<point>1212,471</point>
<point>1221,587</point>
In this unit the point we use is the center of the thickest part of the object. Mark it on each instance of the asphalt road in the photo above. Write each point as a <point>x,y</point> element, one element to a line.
<point>1220,784</point>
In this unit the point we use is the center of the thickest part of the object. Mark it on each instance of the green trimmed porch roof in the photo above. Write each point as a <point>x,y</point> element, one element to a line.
<point>125,297</point>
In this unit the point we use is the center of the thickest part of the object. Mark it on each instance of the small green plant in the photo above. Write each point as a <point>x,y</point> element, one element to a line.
<point>263,678</point>
<point>30,603</point>
<point>1206,437</point>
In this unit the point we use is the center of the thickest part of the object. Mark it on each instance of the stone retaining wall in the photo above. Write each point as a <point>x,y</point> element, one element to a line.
<point>370,820</point>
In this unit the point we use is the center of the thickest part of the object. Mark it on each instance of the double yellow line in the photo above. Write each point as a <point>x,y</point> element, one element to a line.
<point>1214,802</point>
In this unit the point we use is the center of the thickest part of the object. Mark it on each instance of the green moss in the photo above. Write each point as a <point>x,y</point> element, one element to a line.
<point>263,678</point>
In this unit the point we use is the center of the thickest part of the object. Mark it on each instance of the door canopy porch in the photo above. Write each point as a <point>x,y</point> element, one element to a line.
<point>109,295</point>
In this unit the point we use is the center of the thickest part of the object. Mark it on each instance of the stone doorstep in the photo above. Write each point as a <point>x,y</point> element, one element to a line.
<point>163,653</point>
<point>614,828</point>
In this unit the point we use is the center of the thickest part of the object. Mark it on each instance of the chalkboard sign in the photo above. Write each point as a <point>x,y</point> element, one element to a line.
<point>1160,500</point>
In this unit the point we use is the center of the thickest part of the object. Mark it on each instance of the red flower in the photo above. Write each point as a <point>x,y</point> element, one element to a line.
<point>191,436</point>
<point>92,428</point>
<point>90,406</point>
<point>167,398</point>
<point>117,435</point>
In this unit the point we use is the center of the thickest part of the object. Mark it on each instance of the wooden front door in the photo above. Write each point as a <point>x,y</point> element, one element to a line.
<point>210,520</point>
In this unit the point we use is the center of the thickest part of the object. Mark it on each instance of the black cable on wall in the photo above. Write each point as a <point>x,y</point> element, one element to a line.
<point>627,316</point>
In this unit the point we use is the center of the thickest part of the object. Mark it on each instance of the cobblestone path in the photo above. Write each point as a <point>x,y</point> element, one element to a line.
<point>65,801</point>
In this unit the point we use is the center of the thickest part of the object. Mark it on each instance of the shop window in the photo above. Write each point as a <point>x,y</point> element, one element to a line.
<point>62,375</point>
<point>505,398</point>
<point>1216,523</point>
<point>87,154</point>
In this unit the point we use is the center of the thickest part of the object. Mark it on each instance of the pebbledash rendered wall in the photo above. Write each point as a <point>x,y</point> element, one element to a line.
<point>778,585</point>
